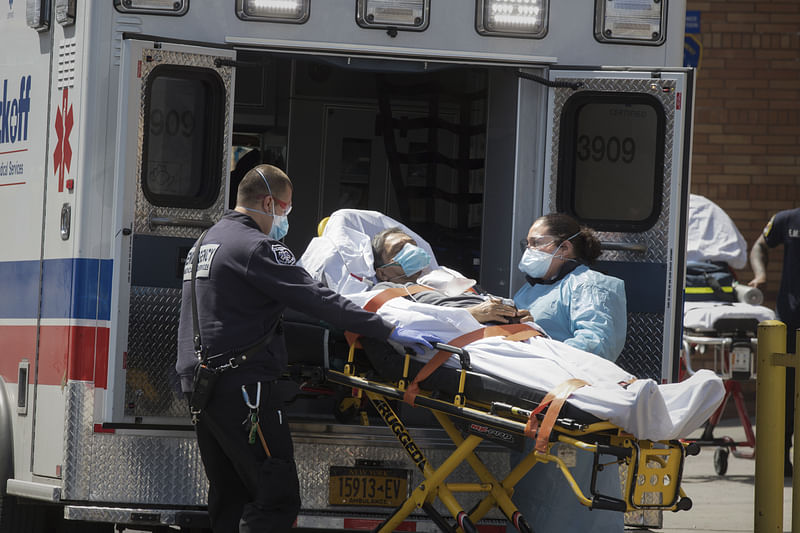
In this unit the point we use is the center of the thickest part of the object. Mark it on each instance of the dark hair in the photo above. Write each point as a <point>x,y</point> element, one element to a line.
<point>562,227</point>
<point>252,188</point>
<point>379,241</point>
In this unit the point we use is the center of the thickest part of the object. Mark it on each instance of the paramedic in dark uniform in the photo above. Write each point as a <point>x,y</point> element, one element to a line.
<point>245,279</point>
<point>783,228</point>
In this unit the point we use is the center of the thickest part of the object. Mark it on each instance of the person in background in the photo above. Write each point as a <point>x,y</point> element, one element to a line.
<point>783,228</point>
<point>245,278</point>
<point>587,310</point>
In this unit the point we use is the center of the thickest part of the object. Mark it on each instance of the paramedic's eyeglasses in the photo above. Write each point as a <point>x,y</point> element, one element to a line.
<point>536,243</point>
<point>285,206</point>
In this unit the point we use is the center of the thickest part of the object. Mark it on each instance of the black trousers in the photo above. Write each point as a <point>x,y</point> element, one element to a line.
<point>248,491</point>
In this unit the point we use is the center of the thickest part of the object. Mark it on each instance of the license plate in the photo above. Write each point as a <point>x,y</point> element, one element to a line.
<point>367,485</point>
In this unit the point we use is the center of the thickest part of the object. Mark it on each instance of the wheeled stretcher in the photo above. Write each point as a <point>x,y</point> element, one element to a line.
<point>472,407</point>
<point>724,324</point>
<point>728,331</point>
<point>505,385</point>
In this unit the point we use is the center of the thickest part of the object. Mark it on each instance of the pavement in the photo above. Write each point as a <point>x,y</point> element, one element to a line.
<point>721,503</point>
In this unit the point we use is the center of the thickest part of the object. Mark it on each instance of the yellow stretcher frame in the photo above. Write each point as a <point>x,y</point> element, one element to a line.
<point>652,467</point>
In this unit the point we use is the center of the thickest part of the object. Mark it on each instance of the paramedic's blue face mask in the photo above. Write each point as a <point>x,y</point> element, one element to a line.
<point>280,223</point>
<point>536,263</point>
<point>411,259</point>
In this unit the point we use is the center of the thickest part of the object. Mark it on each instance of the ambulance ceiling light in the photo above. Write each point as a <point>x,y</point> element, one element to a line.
<point>630,21</point>
<point>512,18</point>
<point>292,11</point>
<point>398,14</point>
<point>153,7</point>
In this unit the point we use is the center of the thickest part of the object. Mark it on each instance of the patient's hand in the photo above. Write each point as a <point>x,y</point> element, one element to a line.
<point>523,315</point>
<point>494,311</point>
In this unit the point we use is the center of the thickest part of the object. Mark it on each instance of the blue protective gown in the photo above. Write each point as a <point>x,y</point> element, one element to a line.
<point>587,310</point>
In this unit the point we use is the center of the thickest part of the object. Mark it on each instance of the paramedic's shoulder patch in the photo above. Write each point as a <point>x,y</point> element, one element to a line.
<point>282,254</point>
<point>768,228</point>
<point>204,260</point>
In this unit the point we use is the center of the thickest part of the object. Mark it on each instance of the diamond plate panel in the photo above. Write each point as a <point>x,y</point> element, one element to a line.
<point>642,354</point>
<point>644,345</point>
<point>642,518</point>
<point>127,467</point>
<point>78,440</point>
<point>656,238</point>
<point>144,210</point>
<point>152,387</point>
<point>114,515</point>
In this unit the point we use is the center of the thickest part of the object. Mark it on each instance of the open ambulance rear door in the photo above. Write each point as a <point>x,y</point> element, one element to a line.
<point>618,160</point>
<point>170,178</point>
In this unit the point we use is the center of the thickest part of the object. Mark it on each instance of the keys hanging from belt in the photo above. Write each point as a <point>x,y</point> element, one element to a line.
<point>254,407</point>
<point>255,427</point>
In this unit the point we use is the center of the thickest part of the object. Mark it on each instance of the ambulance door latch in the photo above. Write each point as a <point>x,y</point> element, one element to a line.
<point>66,215</point>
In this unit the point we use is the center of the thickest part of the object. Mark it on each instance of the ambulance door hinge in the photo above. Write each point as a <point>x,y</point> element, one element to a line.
<point>226,62</point>
<point>66,216</point>
<point>574,85</point>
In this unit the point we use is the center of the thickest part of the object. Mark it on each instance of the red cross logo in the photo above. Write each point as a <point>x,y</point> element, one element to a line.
<point>62,157</point>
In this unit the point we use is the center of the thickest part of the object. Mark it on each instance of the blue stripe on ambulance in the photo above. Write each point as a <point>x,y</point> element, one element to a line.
<point>74,288</point>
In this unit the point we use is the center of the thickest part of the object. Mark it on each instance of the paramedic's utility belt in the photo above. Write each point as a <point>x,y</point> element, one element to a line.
<point>208,368</point>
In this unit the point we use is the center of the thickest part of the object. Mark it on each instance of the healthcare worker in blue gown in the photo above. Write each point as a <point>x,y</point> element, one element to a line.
<point>587,310</point>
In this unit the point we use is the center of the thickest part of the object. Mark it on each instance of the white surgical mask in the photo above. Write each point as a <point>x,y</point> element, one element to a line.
<point>535,263</point>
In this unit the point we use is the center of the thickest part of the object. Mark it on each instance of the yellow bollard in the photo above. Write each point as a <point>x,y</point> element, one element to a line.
<point>770,397</point>
<point>796,453</point>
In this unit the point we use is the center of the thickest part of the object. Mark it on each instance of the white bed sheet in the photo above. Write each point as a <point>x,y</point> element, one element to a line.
<point>645,408</point>
<point>703,315</point>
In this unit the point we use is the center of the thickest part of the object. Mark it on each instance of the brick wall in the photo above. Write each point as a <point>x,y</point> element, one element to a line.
<point>747,115</point>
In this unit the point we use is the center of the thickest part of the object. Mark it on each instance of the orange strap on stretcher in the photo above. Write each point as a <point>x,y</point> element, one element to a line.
<point>381,298</point>
<point>555,400</point>
<point>511,332</point>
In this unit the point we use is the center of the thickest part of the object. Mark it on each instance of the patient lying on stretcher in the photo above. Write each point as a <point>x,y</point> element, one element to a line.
<point>399,262</point>
<point>641,407</point>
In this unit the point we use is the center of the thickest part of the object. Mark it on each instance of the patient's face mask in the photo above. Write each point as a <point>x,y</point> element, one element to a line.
<point>411,258</point>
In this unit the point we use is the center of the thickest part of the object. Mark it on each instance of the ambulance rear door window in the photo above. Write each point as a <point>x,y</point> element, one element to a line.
<point>182,149</point>
<point>611,162</point>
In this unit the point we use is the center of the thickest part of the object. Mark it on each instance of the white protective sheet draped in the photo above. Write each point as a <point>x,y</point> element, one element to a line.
<point>342,256</point>
<point>712,235</point>
<point>703,315</point>
<point>645,409</point>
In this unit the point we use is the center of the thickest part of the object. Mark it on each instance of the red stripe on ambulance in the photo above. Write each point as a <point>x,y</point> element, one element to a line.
<point>78,353</point>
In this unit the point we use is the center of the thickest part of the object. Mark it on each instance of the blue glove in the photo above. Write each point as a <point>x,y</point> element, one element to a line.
<point>414,340</point>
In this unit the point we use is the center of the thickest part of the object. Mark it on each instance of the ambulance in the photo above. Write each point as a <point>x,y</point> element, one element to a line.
<point>125,126</point>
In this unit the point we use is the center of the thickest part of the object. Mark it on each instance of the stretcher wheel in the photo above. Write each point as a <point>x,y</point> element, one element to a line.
<point>692,448</point>
<point>523,525</point>
<point>721,460</point>
<point>465,523</point>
